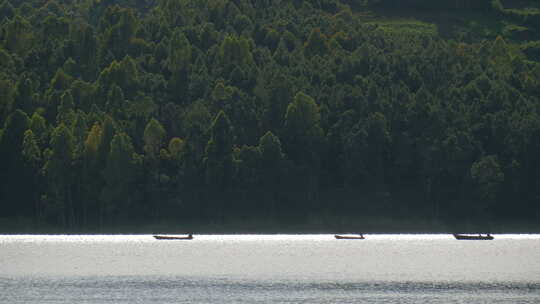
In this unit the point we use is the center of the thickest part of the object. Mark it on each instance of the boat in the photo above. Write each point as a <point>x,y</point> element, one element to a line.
<point>478,237</point>
<point>349,237</point>
<point>166,237</point>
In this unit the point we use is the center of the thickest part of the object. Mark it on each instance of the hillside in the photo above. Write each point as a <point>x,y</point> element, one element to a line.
<point>269,114</point>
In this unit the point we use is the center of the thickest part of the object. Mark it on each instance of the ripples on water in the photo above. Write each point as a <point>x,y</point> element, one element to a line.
<point>185,290</point>
<point>269,269</point>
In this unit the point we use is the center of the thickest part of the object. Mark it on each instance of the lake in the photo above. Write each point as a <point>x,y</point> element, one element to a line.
<point>269,269</point>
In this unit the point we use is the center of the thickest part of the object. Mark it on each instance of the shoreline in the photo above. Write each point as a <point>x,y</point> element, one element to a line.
<point>342,226</point>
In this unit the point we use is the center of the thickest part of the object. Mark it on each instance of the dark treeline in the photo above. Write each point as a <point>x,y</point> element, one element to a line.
<point>217,111</point>
<point>480,5</point>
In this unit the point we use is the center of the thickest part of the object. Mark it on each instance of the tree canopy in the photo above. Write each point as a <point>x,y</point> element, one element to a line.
<point>233,111</point>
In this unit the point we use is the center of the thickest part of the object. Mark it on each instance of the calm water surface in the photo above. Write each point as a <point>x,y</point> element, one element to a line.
<point>269,269</point>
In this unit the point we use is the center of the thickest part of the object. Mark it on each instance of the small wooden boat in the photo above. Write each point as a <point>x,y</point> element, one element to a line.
<point>349,237</point>
<point>165,237</point>
<point>473,237</point>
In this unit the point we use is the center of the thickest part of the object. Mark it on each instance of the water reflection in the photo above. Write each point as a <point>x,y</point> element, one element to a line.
<point>269,268</point>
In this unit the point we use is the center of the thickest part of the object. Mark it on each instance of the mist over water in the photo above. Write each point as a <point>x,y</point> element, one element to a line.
<point>269,269</point>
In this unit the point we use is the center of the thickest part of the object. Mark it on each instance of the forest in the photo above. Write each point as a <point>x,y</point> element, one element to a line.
<point>269,115</point>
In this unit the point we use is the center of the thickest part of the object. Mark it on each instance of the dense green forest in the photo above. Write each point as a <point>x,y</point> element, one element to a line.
<point>325,114</point>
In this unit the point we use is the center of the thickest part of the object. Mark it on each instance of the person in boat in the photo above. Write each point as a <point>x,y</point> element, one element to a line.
<point>190,235</point>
